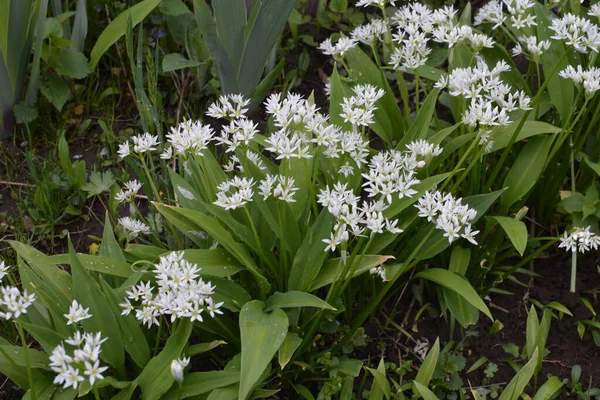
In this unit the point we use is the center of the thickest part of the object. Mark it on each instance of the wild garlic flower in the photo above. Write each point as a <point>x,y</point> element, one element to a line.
<point>491,12</point>
<point>392,173</point>
<point>380,271</point>
<point>124,150</point>
<point>577,32</point>
<point>288,144</point>
<point>370,33</point>
<point>77,313</point>
<point>293,112</point>
<point>424,150</point>
<point>533,48</point>
<point>449,215</point>
<point>188,138</point>
<point>181,293</point>
<point>359,109</point>
<point>232,106</point>
<point>376,3</point>
<point>338,50</point>
<point>234,193</point>
<point>588,79</point>
<point>133,228</point>
<point>145,143</point>
<point>580,239</point>
<point>13,303</point>
<point>520,12</point>
<point>83,355</point>
<point>594,10</point>
<point>279,186</point>
<point>3,270</point>
<point>238,132</point>
<point>177,367</point>
<point>127,195</point>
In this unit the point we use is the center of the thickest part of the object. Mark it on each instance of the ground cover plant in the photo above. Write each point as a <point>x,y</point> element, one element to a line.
<point>250,240</point>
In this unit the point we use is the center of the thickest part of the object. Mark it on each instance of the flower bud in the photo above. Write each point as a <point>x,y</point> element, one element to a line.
<point>177,367</point>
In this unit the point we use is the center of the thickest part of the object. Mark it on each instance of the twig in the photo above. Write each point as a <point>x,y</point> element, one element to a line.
<point>16,184</point>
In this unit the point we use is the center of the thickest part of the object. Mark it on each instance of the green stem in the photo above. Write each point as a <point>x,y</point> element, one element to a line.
<point>158,335</point>
<point>573,270</point>
<point>460,162</point>
<point>27,361</point>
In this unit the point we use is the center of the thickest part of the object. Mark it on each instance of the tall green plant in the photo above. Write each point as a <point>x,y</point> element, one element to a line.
<point>240,43</point>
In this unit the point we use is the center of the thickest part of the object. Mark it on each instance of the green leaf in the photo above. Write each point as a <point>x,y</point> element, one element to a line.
<point>25,114</point>
<point>156,379</point>
<point>380,386</point>
<point>99,182</point>
<point>110,247</point>
<point>230,20</point>
<point>117,28</point>
<point>198,383</point>
<point>459,260</point>
<point>56,91</point>
<point>176,61</point>
<point>214,262</point>
<point>295,299</point>
<point>310,256</point>
<point>262,36</point>
<point>173,8</point>
<point>333,266</point>
<point>103,265</point>
<point>526,170</point>
<point>428,367</point>
<point>516,232</point>
<point>288,347</point>
<point>47,338</point>
<point>465,313</point>
<point>200,348</point>
<point>516,386</point>
<point>548,389</point>
<point>88,293</point>
<point>262,334</point>
<point>457,284</point>
<point>530,128</point>
<point>424,391</point>
<point>420,127</point>
<point>134,341</point>
<point>71,64</point>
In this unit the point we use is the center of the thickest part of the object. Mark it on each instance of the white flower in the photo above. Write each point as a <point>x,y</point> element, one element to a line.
<point>128,194</point>
<point>133,228</point>
<point>3,270</point>
<point>231,106</point>
<point>580,239</point>
<point>124,150</point>
<point>577,32</point>
<point>188,138</point>
<point>338,50</point>
<point>72,378</point>
<point>449,215</point>
<point>77,313</point>
<point>94,371</point>
<point>377,3</point>
<point>379,271</point>
<point>144,143</point>
<point>588,79</point>
<point>177,367</point>
<point>234,193</point>
<point>13,303</point>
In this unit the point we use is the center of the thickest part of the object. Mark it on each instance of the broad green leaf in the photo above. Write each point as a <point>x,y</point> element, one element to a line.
<point>526,170</point>
<point>88,293</point>
<point>156,379</point>
<point>230,293</point>
<point>71,64</point>
<point>288,347</point>
<point>110,247</point>
<point>118,27</point>
<point>200,348</point>
<point>134,340</point>
<point>380,382</point>
<point>516,232</point>
<point>262,334</point>
<point>176,61</point>
<point>457,284</point>
<point>459,260</point>
<point>465,313</point>
<point>337,92</point>
<point>47,338</point>
<point>173,7</point>
<point>262,35</point>
<point>189,220</point>
<point>593,165</point>
<point>389,123</point>
<point>424,391</point>
<point>419,128</point>
<point>198,383</point>
<point>293,299</point>
<point>56,91</point>
<point>548,389</point>
<point>311,254</point>
<point>80,26</point>
<point>518,384</point>
<point>230,20</point>
<point>428,367</point>
<point>103,265</point>
<point>214,262</point>
<point>332,267</point>
<point>99,183</point>
<point>530,128</point>
<point>559,307</point>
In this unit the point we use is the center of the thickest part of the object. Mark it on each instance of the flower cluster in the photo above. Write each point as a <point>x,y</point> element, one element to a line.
<point>520,12</point>
<point>181,293</point>
<point>13,303</point>
<point>77,313</point>
<point>358,109</point>
<point>449,215</point>
<point>127,195</point>
<point>278,186</point>
<point>234,193</point>
<point>580,239</point>
<point>188,138</point>
<point>577,32</point>
<point>370,33</point>
<point>133,227</point>
<point>143,143</point>
<point>84,352</point>
<point>491,99</point>
<point>232,106</point>
<point>339,49</point>
<point>588,79</point>
<point>532,47</point>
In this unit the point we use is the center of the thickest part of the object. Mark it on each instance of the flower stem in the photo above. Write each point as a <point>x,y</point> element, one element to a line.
<point>27,361</point>
<point>573,270</point>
